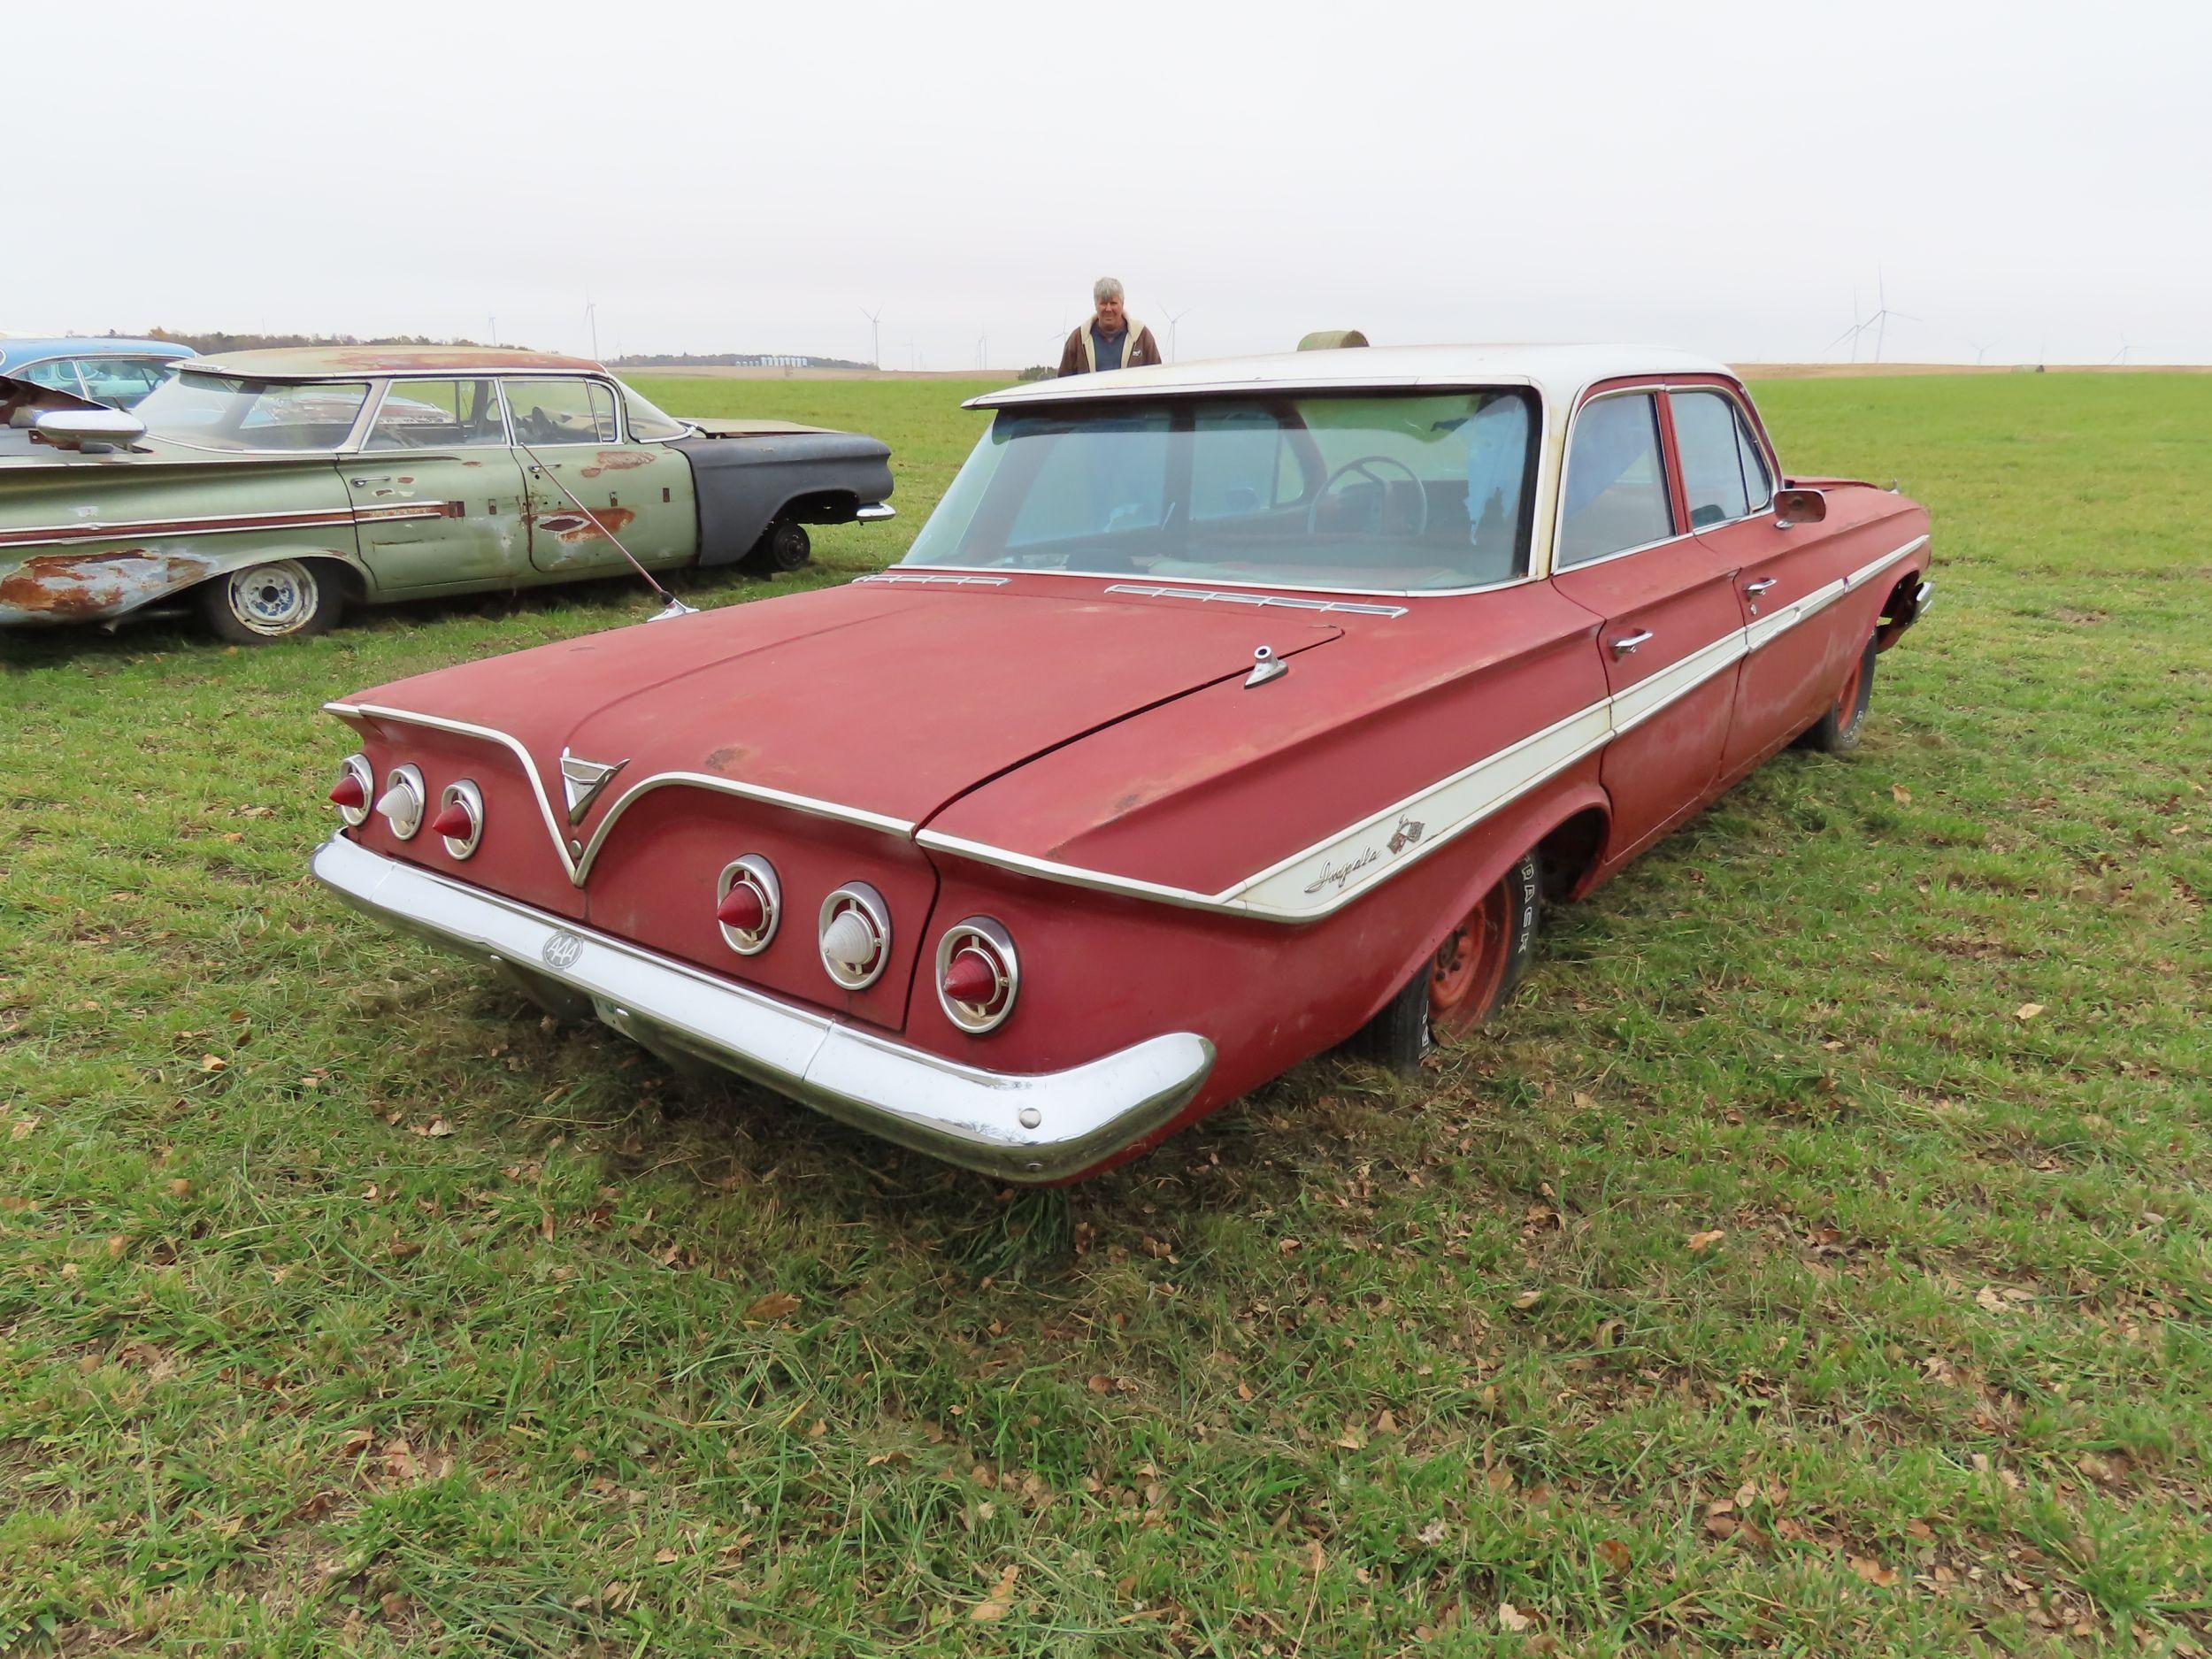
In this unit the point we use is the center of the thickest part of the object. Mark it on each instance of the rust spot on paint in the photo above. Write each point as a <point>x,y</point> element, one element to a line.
<point>617,461</point>
<point>571,526</point>
<point>727,758</point>
<point>66,586</point>
<point>471,464</point>
<point>406,477</point>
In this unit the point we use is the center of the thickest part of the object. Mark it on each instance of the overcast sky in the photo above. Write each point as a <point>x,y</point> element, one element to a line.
<point>2032,180</point>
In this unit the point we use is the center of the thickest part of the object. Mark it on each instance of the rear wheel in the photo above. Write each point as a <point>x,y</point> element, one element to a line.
<point>1837,731</point>
<point>1474,970</point>
<point>783,546</point>
<point>281,600</point>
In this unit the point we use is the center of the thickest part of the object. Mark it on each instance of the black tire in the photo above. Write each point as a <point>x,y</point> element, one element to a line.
<point>284,599</point>
<point>1837,731</point>
<point>1401,1035</point>
<point>782,547</point>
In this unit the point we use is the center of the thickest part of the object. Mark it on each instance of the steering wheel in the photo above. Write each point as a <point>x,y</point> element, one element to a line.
<point>1365,466</point>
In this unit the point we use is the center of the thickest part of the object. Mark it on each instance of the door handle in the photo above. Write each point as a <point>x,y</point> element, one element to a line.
<point>382,478</point>
<point>1755,589</point>
<point>1628,642</point>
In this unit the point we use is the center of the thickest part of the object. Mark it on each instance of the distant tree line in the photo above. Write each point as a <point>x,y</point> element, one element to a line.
<point>209,343</point>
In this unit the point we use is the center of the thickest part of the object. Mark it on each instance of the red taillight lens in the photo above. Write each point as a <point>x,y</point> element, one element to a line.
<point>454,824</point>
<point>460,820</point>
<point>971,979</point>
<point>348,793</point>
<point>741,909</point>
<point>977,974</point>
<point>356,787</point>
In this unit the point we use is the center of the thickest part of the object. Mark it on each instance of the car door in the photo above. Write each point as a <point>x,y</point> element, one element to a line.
<point>1671,629</point>
<point>1788,578</point>
<point>439,444</point>
<point>590,486</point>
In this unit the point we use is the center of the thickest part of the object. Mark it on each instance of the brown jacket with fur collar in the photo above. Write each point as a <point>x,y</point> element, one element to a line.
<point>1079,355</point>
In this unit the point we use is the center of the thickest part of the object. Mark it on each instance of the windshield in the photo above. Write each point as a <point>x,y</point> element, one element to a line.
<point>1396,493</point>
<point>647,425</point>
<point>212,411</point>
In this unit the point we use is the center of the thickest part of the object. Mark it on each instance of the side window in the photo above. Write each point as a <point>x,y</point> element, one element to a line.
<point>1616,495</point>
<point>1758,483</point>
<point>121,381</point>
<point>1706,438</point>
<point>61,376</point>
<point>437,415</point>
<point>562,412</point>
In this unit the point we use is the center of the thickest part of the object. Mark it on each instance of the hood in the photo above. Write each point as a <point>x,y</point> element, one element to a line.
<point>892,698</point>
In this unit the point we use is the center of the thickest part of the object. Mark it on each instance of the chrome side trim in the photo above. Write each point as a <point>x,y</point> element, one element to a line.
<point>1323,878</point>
<point>1207,595</point>
<point>1019,1126</point>
<point>577,864</point>
<point>170,529</point>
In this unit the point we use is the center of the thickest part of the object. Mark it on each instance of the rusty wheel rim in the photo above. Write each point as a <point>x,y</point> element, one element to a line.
<point>1469,966</point>
<point>272,599</point>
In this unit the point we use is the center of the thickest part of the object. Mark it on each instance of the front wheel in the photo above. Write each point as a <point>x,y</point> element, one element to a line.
<point>284,599</point>
<point>1837,731</point>
<point>1471,975</point>
<point>783,546</point>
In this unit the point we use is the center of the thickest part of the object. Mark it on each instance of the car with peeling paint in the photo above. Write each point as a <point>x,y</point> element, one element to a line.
<point>108,369</point>
<point>271,489</point>
<point>1221,714</point>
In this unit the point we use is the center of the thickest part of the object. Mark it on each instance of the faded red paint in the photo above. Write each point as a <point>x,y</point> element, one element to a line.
<point>571,526</point>
<point>66,586</point>
<point>617,461</point>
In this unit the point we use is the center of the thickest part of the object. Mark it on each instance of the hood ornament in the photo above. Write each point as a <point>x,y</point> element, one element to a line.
<point>1265,667</point>
<point>581,781</point>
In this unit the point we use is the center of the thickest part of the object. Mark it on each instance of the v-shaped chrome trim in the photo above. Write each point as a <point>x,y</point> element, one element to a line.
<point>581,780</point>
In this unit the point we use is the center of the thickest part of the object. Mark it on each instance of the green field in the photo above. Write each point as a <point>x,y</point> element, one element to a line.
<point>1813,1260</point>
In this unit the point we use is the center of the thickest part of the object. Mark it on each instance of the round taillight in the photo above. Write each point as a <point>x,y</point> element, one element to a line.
<point>402,801</point>
<point>351,793</point>
<point>460,820</point>
<point>856,937</point>
<point>749,903</point>
<point>977,974</point>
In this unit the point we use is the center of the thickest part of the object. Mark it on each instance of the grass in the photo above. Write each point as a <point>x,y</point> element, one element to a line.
<point>1770,1277</point>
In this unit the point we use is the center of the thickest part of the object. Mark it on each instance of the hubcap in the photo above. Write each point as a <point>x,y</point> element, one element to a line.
<point>273,598</point>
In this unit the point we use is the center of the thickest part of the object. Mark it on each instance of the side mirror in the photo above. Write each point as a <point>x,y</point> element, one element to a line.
<point>1794,507</point>
<point>94,431</point>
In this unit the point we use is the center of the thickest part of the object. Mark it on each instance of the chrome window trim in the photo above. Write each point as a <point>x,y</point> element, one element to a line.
<point>621,414</point>
<point>1208,596</point>
<point>1751,425</point>
<point>1566,458</point>
<point>578,864</point>
<point>1201,583</point>
<point>384,386</point>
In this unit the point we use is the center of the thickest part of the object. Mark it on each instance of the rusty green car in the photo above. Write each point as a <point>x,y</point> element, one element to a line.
<point>271,490</point>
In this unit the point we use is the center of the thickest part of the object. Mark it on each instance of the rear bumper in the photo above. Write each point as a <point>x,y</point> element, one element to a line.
<point>1041,1127</point>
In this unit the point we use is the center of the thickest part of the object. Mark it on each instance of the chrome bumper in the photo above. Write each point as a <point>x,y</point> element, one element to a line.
<point>876,512</point>
<point>1025,1128</point>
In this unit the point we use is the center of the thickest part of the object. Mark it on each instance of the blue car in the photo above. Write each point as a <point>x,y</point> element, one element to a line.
<point>106,369</point>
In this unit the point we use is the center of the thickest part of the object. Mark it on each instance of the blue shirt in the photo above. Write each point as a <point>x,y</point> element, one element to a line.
<point>1109,347</point>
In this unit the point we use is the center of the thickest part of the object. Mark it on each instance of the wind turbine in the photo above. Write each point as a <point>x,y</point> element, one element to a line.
<point>591,316</point>
<point>1979,348</point>
<point>875,336</point>
<point>1851,333</point>
<point>2121,355</point>
<point>1882,314</point>
<point>1174,318</point>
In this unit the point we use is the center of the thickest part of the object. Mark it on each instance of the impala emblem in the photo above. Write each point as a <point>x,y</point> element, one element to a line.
<point>1409,832</point>
<point>581,780</point>
<point>561,951</point>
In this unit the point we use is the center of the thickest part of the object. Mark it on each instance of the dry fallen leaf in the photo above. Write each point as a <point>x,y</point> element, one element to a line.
<point>2027,1010</point>
<point>1526,1300</point>
<point>179,1188</point>
<point>1512,1618</point>
<point>1873,1572</point>
<point>1901,795</point>
<point>774,1305</point>
<point>1316,1557</point>
<point>213,1063</point>
<point>23,1127</point>
<point>436,1129</point>
<point>1434,1532</point>
<point>1706,1240</point>
<point>1613,1554</point>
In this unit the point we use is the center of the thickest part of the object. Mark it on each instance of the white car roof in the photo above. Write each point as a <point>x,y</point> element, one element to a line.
<point>1561,372</point>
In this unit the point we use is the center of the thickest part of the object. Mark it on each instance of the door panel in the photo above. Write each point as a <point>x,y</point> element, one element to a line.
<point>438,443</point>
<point>639,495</point>
<point>1673,687</point>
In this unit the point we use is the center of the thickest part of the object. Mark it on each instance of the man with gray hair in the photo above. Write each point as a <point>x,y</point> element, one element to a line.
<point>1111,339</point>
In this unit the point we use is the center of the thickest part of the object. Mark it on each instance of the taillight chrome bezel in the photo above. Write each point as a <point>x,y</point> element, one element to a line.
<point>859,899</point>
<point>754,872</point>
<point>472,798</point>
<point>357,768</point>
<point>405,821</point>
<point>991,941</point>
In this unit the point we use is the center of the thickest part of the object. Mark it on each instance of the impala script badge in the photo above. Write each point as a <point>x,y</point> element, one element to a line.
<point>581,780</point>
<point>561,951</point>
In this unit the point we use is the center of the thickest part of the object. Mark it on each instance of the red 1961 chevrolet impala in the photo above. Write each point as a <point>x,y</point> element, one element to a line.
<point>1223,712</point>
